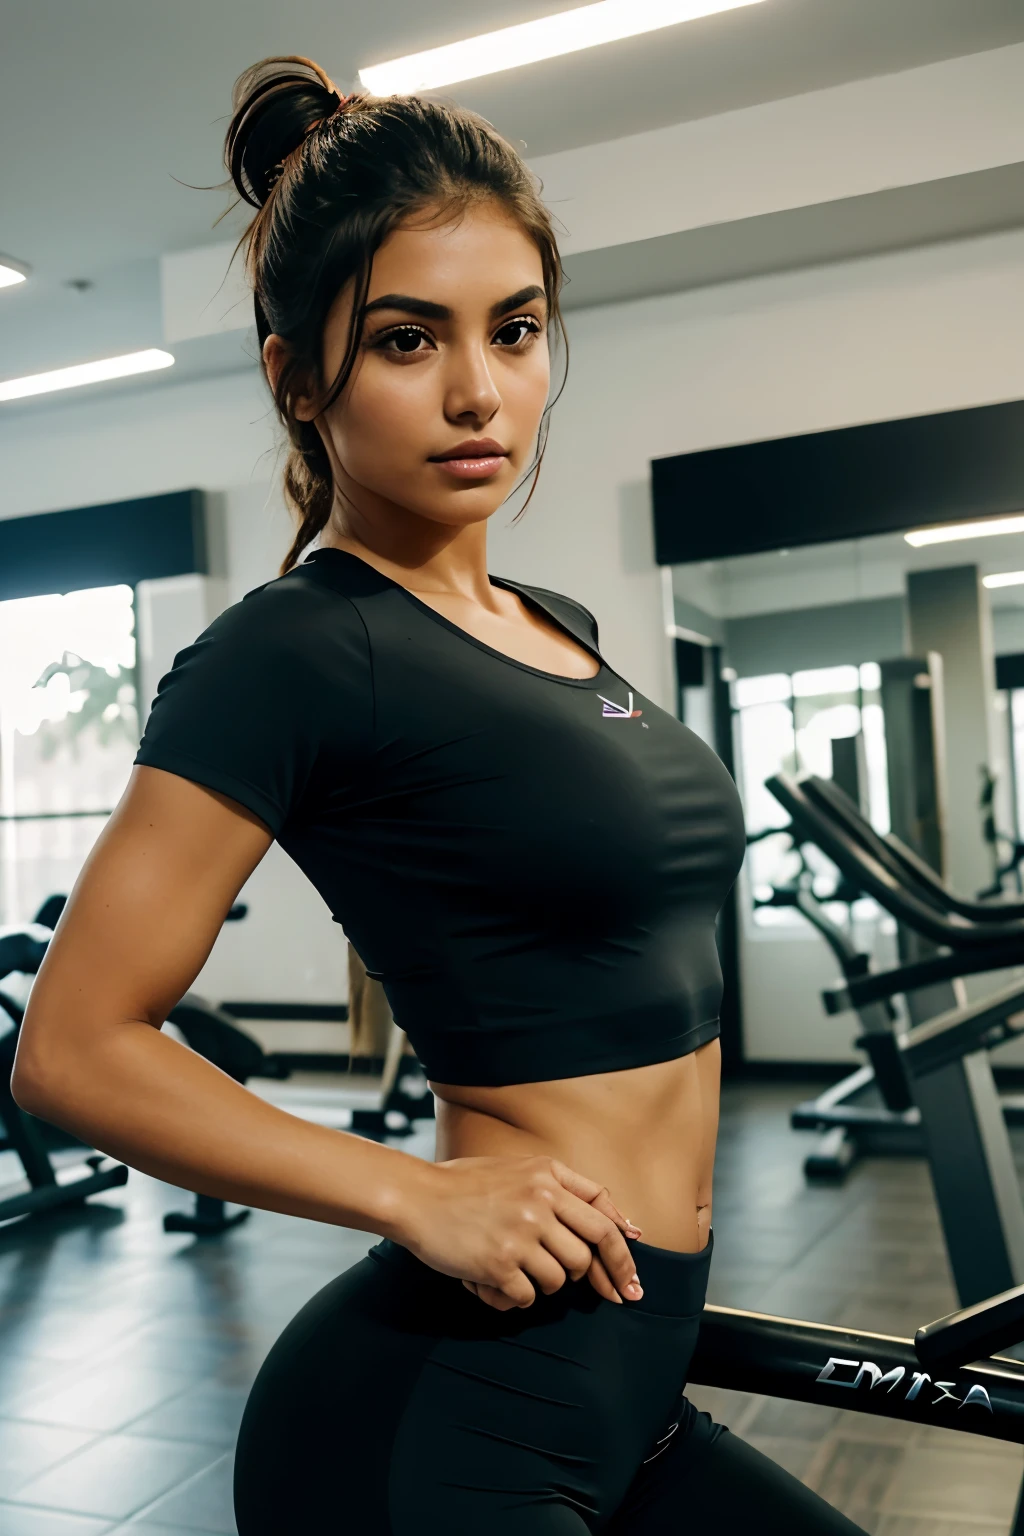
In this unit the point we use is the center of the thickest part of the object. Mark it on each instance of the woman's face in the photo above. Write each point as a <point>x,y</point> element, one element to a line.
<point>441,413</point>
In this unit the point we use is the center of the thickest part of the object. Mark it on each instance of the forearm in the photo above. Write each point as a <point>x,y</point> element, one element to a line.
<point>142,1097</point>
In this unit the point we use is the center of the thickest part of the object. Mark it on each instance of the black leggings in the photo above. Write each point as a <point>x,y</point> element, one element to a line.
<point>398,1404</point>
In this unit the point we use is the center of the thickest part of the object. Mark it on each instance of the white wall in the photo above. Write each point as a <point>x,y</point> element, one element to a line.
<point>123,442</point>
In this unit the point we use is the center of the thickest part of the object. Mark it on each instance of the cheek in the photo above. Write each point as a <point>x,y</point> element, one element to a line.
<point>524,389</point>
<point>384,407</point>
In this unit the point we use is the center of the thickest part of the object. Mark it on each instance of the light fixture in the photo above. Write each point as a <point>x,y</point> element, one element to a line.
<point>12,272</point>
<point>1004,579</point>
<point>85,373</point>
<point>545,38</point>
<point>952,531</point>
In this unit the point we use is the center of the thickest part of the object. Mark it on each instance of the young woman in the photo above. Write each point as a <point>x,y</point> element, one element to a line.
<point>527,851</point>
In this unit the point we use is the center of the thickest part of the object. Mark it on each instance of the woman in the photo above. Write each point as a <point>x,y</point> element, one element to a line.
<point>528,852</point>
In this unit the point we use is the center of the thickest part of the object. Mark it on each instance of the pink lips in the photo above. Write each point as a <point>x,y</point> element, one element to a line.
<point>476,459</point>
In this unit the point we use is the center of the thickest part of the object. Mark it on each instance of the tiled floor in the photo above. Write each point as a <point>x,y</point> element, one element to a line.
<point>126,1354</point>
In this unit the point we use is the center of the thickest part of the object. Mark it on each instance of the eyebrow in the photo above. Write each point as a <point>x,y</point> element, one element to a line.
<point>427,310</point>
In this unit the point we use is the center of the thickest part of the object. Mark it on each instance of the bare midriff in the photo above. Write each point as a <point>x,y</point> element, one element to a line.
<point>647,1133</point>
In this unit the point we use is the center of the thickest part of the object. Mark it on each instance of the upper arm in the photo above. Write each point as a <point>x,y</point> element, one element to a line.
<point>142,917</point>
<point>265,712</point>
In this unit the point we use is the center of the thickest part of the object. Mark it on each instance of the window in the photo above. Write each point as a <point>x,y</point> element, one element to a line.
<point>786,723</point>
<point>1016,725</point>
<point>69,731</point>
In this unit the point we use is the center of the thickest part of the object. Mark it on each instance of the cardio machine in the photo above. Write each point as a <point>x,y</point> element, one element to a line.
<point>871,1110</point>
<point>945,1052</point>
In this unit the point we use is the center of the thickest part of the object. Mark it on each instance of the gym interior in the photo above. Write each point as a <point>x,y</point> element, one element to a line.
<point>786,473</point>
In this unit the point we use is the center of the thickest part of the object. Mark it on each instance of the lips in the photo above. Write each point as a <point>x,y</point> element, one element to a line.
<point>472,448</point>
<point>476,459</point>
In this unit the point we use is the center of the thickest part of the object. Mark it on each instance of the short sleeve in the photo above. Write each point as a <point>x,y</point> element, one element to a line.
<point>277,684</point>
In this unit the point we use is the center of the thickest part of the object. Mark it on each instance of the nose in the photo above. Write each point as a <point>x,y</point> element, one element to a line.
<point>471,395</point>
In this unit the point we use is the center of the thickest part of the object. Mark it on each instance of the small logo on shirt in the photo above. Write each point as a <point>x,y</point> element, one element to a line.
<point>612,711</point>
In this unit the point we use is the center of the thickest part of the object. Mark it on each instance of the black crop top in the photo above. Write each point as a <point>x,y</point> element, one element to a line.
<point>531,864</point>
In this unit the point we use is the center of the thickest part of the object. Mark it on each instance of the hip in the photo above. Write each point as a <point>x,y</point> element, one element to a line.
<point>397,1381</point>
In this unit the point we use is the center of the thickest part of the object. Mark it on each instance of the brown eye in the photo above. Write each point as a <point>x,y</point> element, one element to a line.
<point>515,332</point>
<point>406,340</point>
<point>403,341</point>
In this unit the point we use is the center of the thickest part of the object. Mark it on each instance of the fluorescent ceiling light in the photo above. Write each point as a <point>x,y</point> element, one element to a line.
<point>85,373</point>
<point>11,272</point>
<point>1005,579</point>
<point>546,38</point>
<point>952,531</point>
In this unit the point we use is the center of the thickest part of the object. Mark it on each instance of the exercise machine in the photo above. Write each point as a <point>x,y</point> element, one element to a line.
<point>870,1111</point>
<point>945,1052</point>
<point>204,1028</point>
<point>950,1375</point>
<point>22,949</point>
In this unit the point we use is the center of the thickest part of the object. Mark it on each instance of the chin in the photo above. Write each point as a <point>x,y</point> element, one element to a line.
<point>462,511</point>
<point>468,503</point>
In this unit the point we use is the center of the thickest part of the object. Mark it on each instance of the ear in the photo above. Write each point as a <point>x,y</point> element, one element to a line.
<point>276,353</point>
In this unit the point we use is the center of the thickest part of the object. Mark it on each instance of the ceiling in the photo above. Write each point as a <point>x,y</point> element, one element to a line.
<point>891,220</point>
<point>113,112</point>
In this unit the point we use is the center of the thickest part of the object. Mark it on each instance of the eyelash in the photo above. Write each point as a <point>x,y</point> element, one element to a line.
<point>380,341</point>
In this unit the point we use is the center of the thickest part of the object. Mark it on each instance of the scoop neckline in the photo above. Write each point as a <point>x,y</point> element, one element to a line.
<point>464,634</point>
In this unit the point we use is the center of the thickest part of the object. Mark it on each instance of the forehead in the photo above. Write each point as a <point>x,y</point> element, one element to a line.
<point>478,256</point>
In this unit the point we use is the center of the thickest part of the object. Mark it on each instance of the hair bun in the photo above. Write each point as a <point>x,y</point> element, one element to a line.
<point>275,104</point>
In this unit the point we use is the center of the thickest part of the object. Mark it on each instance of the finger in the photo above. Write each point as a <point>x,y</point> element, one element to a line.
<point>516,1288</point>
<point>544,1267</point>
<point>491,1295</point>
<point>593,1193</point>
<point>605,1235</point>
<point>620,1264</point>
<point>573,1254</point>
<point>604,1203</point>
<point>598,1277</point>
<point>496,1299</point>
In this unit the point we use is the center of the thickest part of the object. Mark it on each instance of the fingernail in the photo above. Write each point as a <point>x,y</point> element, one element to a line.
<point>632,1231</point>
<point>635,1291</point>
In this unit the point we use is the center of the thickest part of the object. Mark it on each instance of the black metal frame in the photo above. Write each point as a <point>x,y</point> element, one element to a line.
<point>946,1057</point>
<point>940,1379</point>
<point>22,949</point>
<point>208,1031</point>
<point>950,1375</point>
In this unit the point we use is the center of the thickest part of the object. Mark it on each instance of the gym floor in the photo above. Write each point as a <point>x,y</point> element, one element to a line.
<point>126,1354</point>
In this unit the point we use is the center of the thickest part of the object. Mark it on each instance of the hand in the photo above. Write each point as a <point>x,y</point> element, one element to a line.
<point>506,1225</point>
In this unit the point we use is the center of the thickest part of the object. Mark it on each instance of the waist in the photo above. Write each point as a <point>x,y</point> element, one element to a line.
<point>647,1135</point>
<point>675,1284</point>
<point>496,1053</point>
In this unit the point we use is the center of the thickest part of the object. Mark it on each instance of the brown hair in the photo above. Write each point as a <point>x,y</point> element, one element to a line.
<point>331,176</point>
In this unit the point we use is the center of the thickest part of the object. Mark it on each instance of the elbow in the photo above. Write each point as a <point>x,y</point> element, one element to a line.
<point>34,1086</point>
<point>30,1090</point>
